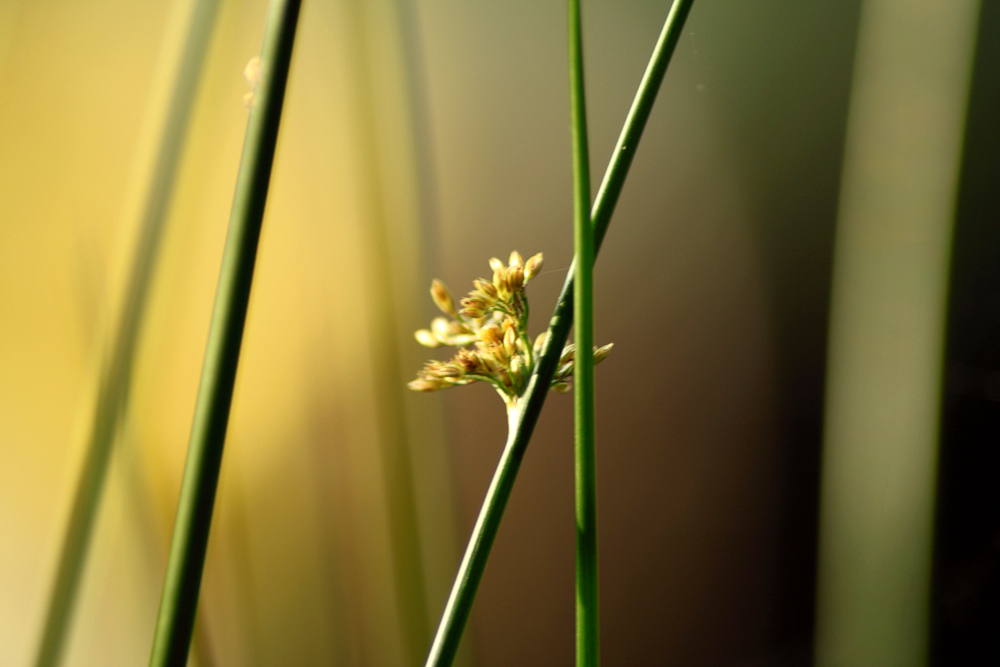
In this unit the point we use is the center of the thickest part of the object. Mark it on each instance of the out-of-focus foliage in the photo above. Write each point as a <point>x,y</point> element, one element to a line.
<point>300,565</point>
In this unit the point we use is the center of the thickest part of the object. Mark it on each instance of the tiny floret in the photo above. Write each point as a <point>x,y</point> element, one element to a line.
<point>532,267</point>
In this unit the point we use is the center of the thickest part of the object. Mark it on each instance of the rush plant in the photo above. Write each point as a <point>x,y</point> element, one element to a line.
<point>528,401</point>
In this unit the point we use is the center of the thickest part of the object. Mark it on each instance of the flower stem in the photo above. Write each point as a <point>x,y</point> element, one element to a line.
<point>585,468</point>
<point>470,571</point>
<point>201,473</point>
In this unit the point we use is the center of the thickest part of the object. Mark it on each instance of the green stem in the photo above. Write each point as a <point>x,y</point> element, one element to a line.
<point>470,571</point>
<point>116,373</point>
<point>587,624</point>
<point>215,393</point>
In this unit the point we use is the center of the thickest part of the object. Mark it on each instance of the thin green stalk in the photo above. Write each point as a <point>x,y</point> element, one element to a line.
<point>215,393</point>
<point>523,420</point>
<point>585,468</point>
<point>116,373</point>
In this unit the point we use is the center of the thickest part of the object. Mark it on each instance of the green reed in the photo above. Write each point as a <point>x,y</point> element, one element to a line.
<point>201,473</point>
<point>585,468</point>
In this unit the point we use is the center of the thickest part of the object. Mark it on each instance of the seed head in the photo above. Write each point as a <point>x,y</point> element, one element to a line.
<point>493,320</point>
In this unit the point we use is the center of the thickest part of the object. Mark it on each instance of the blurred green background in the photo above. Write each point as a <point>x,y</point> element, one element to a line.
<point>418,140</point>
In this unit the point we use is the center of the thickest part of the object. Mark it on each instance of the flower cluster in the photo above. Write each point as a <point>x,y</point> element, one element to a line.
<point>493,319</point>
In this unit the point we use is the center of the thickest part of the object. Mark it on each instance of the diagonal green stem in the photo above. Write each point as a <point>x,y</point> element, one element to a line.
<point>116,373</point>
<point>585,468</point>
<point>215,393</point>
<point>523,420</point>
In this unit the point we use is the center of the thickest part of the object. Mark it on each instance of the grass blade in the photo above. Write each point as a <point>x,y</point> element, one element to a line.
<point>887,330</point>
<point>470,571</point>
<point>208,431</point>
<point>116,373</point>
<point>396,446</point>
<point>585,464</point>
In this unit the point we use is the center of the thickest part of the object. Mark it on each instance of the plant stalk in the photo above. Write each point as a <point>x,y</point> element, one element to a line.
<point>116,372</point>
<point>585,463</point>
<point>470,571</point>
<point>208,431</point>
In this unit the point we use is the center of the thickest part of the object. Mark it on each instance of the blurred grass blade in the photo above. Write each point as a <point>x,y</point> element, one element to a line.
<point>887,323</point>
<point>394,439</point>
<point>470,572</point>
<point>208,431</point>
<point>116,371</point>
<point>585,468</point>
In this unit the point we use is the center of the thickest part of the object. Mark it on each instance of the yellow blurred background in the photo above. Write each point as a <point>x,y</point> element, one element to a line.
<point>418,140</point>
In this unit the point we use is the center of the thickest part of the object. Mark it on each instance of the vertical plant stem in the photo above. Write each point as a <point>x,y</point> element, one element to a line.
<point>585,468</point>
<point>470,570</point>
<point>116,372</point>
<point>208,431</point>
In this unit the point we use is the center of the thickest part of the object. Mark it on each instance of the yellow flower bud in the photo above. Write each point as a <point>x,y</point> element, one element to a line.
<point>423,385</point>
<point>440,327</point>
<point>539,342</point>
<point>469,361</point>
<point>449,371</point>
<point>500,282</point>
<point>426,338</point>
<point>601,353</point>
<point>487,289</point>
<point>473,307</point>
<point>517,370</point>
<point>532,267</point>
<point>492,335</point>
<point>509,342</point>
<point>442,298</point>
<point>568,354</point>
<point>500,354</point>
<point>515,279</point>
